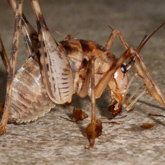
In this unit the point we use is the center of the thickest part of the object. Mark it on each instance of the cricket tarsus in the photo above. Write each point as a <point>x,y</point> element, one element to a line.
<point>93,130</point>
<point>78,115</point>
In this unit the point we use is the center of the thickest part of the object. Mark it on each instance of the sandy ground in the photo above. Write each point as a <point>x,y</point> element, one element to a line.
<point>52,140</point>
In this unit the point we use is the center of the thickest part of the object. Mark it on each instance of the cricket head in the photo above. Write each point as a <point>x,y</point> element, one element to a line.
<point>119,83</point>
<point>118,89</point>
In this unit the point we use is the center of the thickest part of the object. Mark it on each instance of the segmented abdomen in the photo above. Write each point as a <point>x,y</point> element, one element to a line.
<point>29,98</point>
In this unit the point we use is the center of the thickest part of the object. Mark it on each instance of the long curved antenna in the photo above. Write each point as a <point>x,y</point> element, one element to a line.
<point>143,43</point>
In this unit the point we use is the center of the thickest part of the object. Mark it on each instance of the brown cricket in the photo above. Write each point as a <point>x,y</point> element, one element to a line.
<point>55,71</point>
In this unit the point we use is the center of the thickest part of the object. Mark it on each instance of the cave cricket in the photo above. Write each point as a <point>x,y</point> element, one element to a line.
<point>55,71</point>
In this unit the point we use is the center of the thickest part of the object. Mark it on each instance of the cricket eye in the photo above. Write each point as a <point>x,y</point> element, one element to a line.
<point>123,68</point>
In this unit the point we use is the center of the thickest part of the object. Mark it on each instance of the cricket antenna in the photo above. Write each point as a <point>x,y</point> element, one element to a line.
<point>60,34</point>
<point>145,38</point>
<point>68,36</point>
<point>77,33</point>
<point>142,41</point>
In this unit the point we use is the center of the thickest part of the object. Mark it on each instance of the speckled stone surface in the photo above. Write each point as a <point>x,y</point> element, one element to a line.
<point>52,140</point>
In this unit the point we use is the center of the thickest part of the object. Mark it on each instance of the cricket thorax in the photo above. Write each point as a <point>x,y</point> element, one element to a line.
<point>79,52</point>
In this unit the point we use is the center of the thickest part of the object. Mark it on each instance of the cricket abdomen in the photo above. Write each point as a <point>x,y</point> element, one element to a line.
<point>29,98</point>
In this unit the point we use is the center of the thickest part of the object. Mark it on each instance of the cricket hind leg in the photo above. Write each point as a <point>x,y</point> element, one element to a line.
<point>6,64</point>
<point>12,65</point>
<point>54,64</point>
<point>29,33</point>
<point>4,55</point>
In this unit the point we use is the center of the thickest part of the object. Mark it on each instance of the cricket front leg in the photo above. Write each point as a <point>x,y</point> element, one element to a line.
<point>94,129</point>
<point>102,84</point>
<point>115,33</point>
<point>109,80</point>
<point>147,80</point>
<point>116,106</point>
<point>12,64</point>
